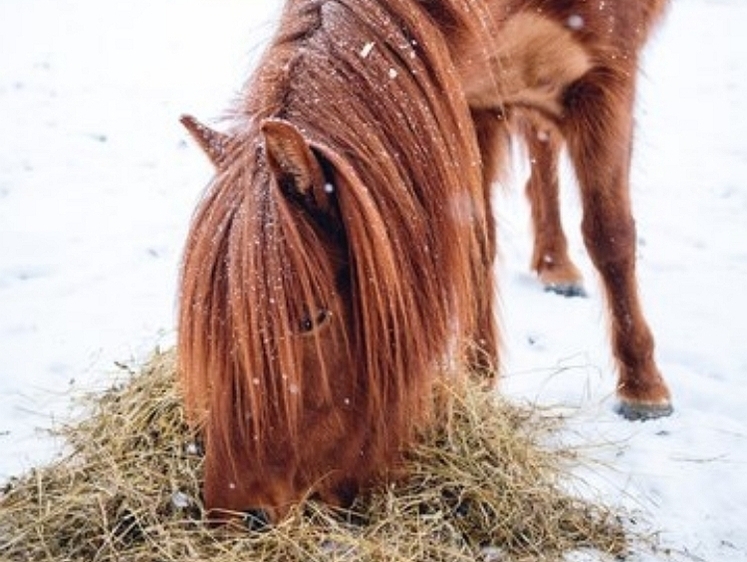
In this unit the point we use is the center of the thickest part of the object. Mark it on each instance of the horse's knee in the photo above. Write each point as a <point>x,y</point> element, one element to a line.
<point>609,237</point>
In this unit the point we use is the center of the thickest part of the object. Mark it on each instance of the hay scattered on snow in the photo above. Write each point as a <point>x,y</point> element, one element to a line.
<point>482,488</point>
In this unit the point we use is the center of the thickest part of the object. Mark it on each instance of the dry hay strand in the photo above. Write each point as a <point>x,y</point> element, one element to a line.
<point>482,487</point>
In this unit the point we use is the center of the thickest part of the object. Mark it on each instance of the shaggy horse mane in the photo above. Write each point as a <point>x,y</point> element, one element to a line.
<point>371,86</point>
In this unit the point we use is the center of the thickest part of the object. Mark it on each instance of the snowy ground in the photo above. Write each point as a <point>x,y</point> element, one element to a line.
<point>97,183</point>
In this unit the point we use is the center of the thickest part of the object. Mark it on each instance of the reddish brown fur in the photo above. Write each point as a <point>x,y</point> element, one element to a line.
<point>575,84</point>
<point>399,258</point>
<point>312,324</point>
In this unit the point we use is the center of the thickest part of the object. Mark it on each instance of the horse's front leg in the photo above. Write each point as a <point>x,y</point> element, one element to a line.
<point>598,128</point>
<point>550,260</point>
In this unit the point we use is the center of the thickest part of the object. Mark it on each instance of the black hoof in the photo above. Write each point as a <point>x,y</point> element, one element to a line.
<point>566,289</point>
<point>641,412</point>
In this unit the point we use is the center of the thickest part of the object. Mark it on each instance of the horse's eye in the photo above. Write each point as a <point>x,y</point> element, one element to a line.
<point>308,323</point>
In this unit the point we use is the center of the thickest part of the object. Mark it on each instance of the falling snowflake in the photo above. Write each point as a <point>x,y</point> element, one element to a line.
<point>575,21</point>
<point>366,50</point>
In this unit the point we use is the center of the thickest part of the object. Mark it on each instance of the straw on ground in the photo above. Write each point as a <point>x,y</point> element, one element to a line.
<point>481,487</point>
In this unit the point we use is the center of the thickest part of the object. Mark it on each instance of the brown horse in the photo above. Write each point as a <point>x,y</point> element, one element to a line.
<point>342,255</point>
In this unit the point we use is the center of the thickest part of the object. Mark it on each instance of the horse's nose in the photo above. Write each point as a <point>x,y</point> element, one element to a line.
<point>256,519</point>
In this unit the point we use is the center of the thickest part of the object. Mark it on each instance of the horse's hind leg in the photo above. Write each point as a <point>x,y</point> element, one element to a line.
<point>550,258</point>
<point>598,128</point>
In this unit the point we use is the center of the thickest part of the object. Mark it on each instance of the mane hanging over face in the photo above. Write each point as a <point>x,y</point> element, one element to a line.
<point>333,263</point>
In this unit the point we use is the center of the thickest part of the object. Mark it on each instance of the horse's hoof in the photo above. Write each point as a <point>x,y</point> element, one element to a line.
<point>641,411</point>
<point>566,289</point>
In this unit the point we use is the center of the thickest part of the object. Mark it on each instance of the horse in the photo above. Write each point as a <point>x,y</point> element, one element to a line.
<point>340,262</point>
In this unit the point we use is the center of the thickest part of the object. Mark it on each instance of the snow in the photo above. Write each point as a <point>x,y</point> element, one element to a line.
<point>98,182</point>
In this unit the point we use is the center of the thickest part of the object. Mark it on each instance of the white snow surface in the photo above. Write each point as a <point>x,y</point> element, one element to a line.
<point>98,183</point>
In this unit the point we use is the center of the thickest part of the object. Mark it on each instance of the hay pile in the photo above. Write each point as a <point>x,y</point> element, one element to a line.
<point>481,489</point>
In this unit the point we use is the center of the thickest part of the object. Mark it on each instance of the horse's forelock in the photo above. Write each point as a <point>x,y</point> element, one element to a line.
<point>252,266</point>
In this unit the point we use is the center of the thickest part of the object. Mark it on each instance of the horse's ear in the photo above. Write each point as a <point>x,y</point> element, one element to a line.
<point>215,144</point>
<point>294,164</point>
